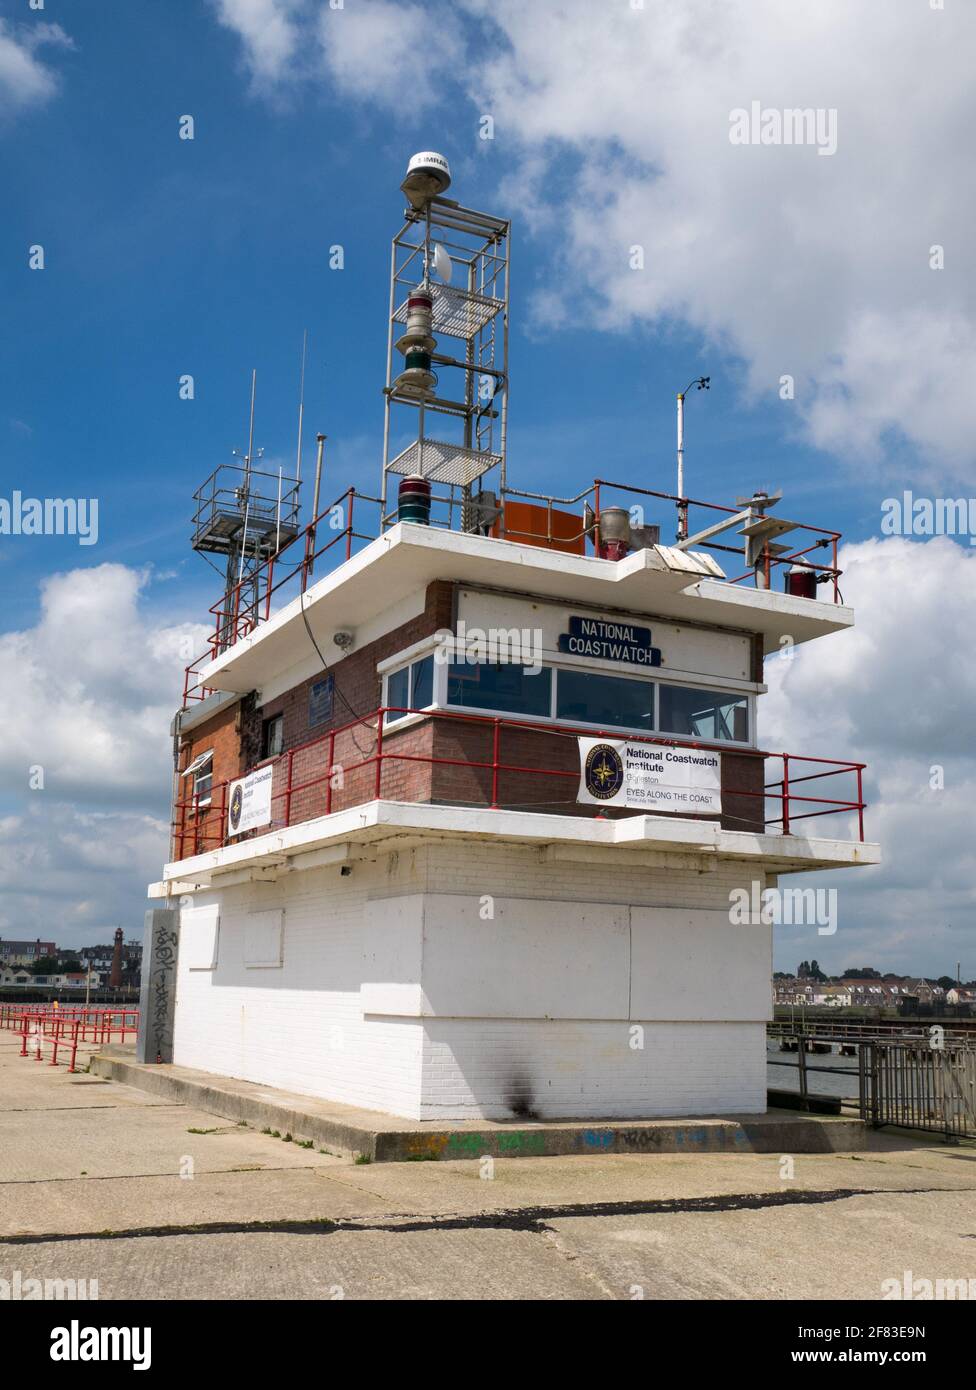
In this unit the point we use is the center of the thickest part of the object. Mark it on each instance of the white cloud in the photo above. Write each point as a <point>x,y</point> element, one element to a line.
<point>24,79</point>
<point>801,264</point>
<point>387,52</point>
<point>898,693</point>
<point>615,121</point>
<point>269,31</point>
<point>88,693</point>
<point>73,876</point>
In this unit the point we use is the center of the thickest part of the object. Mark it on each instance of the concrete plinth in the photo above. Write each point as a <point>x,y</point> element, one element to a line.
<point>388,1138</point>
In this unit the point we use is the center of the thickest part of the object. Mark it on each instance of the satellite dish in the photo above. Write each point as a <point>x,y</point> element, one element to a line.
<point>442,263</point>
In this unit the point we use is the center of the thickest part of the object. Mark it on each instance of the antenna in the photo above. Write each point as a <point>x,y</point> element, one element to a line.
<point>310,542</point>
<point>250,431</point>
<point>244,514</point>
<point>702,383</point>
<point>301,410</point>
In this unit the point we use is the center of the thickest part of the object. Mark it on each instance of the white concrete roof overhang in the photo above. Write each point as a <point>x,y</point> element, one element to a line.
<point>336,838</point>
<point>659,581</point>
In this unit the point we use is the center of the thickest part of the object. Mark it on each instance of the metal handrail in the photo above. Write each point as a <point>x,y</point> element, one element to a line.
<point>230,626</point>
<point>192,817</point>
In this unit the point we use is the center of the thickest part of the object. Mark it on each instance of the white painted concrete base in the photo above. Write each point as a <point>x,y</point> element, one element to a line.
<point>482,981</point>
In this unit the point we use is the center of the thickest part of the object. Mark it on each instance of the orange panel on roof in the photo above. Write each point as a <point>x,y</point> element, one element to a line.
<point>529,524</point>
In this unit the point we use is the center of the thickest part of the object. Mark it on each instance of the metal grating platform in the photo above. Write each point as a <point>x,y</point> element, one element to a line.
<point>444,463</point>
<point>457,313</point>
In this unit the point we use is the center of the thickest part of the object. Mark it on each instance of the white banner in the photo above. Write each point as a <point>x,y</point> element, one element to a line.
<point>250,801</point>
<point>649,777</point>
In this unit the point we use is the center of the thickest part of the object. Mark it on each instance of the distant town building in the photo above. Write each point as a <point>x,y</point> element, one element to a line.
<point>15,975</point>
<point>960,995</point>
<point>25,952</point>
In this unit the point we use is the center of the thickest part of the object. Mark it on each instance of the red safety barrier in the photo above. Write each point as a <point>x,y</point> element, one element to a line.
<point>65,1027</point>
<point>297,797</point>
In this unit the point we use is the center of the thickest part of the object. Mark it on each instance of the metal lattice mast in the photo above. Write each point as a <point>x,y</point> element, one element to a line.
<point>446,392</point>
<point>244,515</point>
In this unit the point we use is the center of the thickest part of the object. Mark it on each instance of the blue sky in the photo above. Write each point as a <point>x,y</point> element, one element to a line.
<point>165,256</point>
<point>210,257</point>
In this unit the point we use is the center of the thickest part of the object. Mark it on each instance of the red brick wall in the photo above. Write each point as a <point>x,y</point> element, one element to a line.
<point>533,753</point>
<point>310,751</point>
<point>332,775</point>
<point>192,834</point>
<point>356,678</point>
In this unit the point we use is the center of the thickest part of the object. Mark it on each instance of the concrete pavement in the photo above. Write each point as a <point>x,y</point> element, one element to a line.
<point>159,1200</point>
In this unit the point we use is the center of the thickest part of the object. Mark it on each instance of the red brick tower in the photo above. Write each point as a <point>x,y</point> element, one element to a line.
<point>115,978</point>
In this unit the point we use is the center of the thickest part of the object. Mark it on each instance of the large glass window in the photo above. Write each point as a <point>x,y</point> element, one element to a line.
<point>707,714</point>
<point>412,687</point>
<point>505,687</point>
<point>422,683</point>
<point>586,697</point>
<point>398,693</point>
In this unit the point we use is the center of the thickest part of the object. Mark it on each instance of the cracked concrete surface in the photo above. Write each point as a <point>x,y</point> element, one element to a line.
<point>101,1181</point>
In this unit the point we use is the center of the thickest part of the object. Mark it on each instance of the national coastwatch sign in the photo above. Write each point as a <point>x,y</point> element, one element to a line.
<point>250,801</point>
<point>649,777</point>
<point>608,640</point>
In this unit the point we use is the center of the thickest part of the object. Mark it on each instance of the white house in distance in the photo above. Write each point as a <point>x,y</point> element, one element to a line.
<point>464,797</point>
<point>959,994</point>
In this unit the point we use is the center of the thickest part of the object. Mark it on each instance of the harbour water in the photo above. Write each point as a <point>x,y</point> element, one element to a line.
<point>786,1078</point>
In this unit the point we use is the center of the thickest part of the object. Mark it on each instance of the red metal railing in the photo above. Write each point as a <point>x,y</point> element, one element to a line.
<point>238,612</point>
<point>822,539</point>
<point>249,603</point>
<point>65,1029</point>
<point>199,825</point>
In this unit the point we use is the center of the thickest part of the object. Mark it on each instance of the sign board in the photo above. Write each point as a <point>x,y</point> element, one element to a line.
<point>250,801</point>
<point>649,777</point>
<point>609,641</point>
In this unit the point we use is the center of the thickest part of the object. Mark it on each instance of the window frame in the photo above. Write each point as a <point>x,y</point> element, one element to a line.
<point>400,721</point>
<point>266,725</point>
<point>416,653</point>
<point>502,713</point>
<point>195,768</point>
<point>714,688</point>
